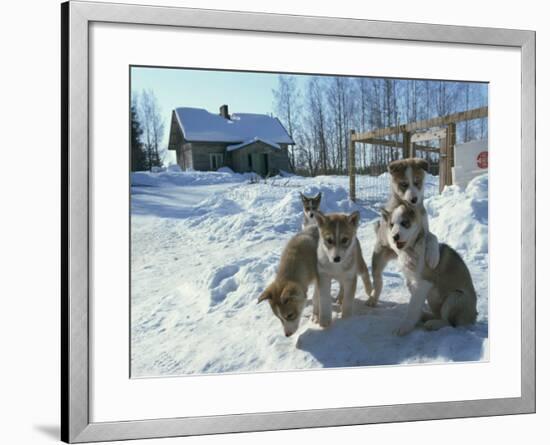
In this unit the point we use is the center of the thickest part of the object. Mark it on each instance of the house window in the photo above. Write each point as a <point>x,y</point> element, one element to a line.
<point>216,161</point>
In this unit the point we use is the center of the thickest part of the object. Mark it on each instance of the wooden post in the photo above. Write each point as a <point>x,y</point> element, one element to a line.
<point>442,163</point>
<point>407,151</point>
<point>451,141</point>
<point>413,150</point>
<point>351,166</point>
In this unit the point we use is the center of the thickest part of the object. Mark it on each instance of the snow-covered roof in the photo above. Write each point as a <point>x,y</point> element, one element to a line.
<point>199,125</point>
<point>253,141</point>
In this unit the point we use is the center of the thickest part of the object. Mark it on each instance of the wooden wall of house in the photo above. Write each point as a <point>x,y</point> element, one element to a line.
<point>277,159</point>
<point>240,161</point>
<point>184,156</point>
<point>196,155</point>
<point>201,154</point>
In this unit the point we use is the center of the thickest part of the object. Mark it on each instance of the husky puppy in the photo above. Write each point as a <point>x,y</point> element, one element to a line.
<point>448,287</point>
<point>287,294</point>
<point>407,186</point>
<point>311,205</point>
<point>339,257</point>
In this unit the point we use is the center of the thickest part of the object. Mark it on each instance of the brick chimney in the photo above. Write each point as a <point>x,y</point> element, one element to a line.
<point>224,111</point>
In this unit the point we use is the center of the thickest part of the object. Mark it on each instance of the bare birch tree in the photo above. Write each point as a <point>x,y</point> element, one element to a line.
<point>287,106</point>
<point>153,127</point>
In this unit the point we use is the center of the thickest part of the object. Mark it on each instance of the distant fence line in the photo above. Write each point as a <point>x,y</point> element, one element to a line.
<point>411,140</point>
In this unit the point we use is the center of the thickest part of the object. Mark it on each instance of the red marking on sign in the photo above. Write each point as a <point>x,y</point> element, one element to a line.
<point>483,159</point>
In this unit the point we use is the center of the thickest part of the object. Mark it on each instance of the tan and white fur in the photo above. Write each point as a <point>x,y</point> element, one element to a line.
<point>448,287</point>
<point>287,294</point>
<point>310,205</point>
<point>339,258</point>
<point>407,186</point>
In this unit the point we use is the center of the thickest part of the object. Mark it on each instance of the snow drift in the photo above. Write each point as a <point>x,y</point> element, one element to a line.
<point>205,244</point>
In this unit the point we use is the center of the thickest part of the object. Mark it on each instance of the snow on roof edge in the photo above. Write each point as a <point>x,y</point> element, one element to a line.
<point>252,141</point>
<point>192,133</point>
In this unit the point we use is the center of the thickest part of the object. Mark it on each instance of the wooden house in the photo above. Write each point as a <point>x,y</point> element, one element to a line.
<point>243,142</point>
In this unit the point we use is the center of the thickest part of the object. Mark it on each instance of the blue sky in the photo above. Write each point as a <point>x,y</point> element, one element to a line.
<point>243,92</point>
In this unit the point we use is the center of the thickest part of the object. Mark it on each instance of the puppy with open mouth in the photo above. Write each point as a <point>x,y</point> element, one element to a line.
<point>407,186</point>
<point>448,287</point>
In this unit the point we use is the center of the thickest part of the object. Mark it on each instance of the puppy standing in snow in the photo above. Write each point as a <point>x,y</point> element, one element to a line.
<point>339,257</point>
<point>448,287</point>
<point>311,207</point>
<point>407,186</point>
<point>287,295</point>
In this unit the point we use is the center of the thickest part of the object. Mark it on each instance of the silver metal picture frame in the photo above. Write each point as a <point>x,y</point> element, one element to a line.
<point>76,18</point>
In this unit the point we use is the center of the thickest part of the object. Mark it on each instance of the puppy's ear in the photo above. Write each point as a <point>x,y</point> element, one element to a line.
<point>302,196</point>
<point>354,218</point>
<point>318,197</point>
<point>266,295</point>
<point>396,167</point>
<point>385,214</point>
<point>422,163</point>
<point>320,218</point>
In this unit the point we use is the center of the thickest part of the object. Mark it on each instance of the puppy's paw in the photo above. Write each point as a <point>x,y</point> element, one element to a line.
<point>434,325</point>
<point>404,329</point>
<point>315,318</point>
<point>372,301</point>
<point>325,322</point>
<point>346,314</point>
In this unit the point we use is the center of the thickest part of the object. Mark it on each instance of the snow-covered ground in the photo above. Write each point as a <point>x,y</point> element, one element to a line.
<point>204,246</point>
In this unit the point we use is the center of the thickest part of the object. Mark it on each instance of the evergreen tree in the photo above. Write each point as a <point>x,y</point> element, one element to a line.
<point>138,156</point>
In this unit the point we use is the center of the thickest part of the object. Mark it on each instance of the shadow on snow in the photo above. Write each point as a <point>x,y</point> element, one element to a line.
<point>367,338</point>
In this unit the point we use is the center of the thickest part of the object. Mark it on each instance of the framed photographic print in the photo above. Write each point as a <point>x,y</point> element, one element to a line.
<point>276,222</point>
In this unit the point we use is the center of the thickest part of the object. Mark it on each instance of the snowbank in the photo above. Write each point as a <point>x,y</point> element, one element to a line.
<point>180,179</point>
<point>460,218</point>
<point>205,244</point>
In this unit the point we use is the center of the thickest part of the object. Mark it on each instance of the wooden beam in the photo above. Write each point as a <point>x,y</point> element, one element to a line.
<point>429,135</point>
<point>388,143</point>
<point>379,133</point>
<point>384,142</point>
<point>443,164</point>
<point>476,113</point>
<point>426,148</point>
<point>351,166</point>
<point>451,141</point>
<point>407,148</point>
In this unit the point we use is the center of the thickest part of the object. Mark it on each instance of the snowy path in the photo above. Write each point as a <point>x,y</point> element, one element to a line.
<point>204,245</point>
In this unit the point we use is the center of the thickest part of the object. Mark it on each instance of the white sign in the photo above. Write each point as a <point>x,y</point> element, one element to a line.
<point>471,159</point>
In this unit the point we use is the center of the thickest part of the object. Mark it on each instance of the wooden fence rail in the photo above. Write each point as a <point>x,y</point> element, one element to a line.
<point>441,128</point>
